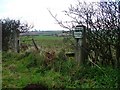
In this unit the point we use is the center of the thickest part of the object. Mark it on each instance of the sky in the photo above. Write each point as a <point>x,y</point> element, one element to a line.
<point>35,12</point>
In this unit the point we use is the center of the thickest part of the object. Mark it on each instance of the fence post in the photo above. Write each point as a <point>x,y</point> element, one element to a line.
<point>16,42</point>
<point>77,51</point>
<point>0,36</point>
<point>37,49</point>
<point>80,37</point>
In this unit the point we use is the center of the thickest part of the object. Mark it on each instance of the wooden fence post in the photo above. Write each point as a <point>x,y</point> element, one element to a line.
<point>80,49</point>
<point>78,55</point>
<point>16,42</point>
<point>35,45</point>
<point>0,36</point>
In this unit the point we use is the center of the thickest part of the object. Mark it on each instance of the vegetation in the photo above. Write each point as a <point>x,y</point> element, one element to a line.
<point>44,41</point>
<point>9,28</point>
<point>21,69</point>
<point>102,29</point>
<point>48,43</point>
<point>10,32</point>
<point>51,67</point>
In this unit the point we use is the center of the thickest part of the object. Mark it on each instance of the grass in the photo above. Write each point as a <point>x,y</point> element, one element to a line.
<point>26,68</point>
<point>17,73</point>
<point>47,42</point>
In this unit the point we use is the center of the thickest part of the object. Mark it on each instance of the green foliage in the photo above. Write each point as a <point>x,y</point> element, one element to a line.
<point>9,28</point>
<point>20,70</point>
<point>9,56</point>
<point>102,32</point>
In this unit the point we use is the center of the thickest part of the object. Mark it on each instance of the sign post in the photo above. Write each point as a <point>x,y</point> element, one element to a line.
<point>78,35</point>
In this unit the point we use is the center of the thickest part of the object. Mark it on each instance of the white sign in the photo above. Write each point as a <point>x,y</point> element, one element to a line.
<point>78,32</point>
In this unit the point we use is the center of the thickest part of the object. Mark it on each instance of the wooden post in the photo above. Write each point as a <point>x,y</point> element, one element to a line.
<point>15,41</point>
<point>84,47</point>
<point>78,51</point>
<point>18,46</point>
<point>77,58</point>
<point>118,46</point>
<point>0,35</point>
<point>0,56</point>
<point>37,49</point>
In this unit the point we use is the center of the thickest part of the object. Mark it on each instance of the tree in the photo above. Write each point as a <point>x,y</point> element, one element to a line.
<point>101,20</point>
<point>10,33</point>
<point>8,29</point>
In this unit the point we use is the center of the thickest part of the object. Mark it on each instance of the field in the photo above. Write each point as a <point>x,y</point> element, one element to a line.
<point>47,42</point>
<point>26,68</point>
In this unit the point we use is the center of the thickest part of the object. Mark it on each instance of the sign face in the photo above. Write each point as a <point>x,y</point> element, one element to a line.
<point>78,32</point>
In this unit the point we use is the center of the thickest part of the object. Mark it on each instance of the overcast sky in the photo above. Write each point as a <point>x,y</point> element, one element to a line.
<point>35,11</point>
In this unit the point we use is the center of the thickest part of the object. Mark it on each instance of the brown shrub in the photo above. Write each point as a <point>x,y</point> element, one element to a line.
<point>49,57</point>
<point>23,46</point>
